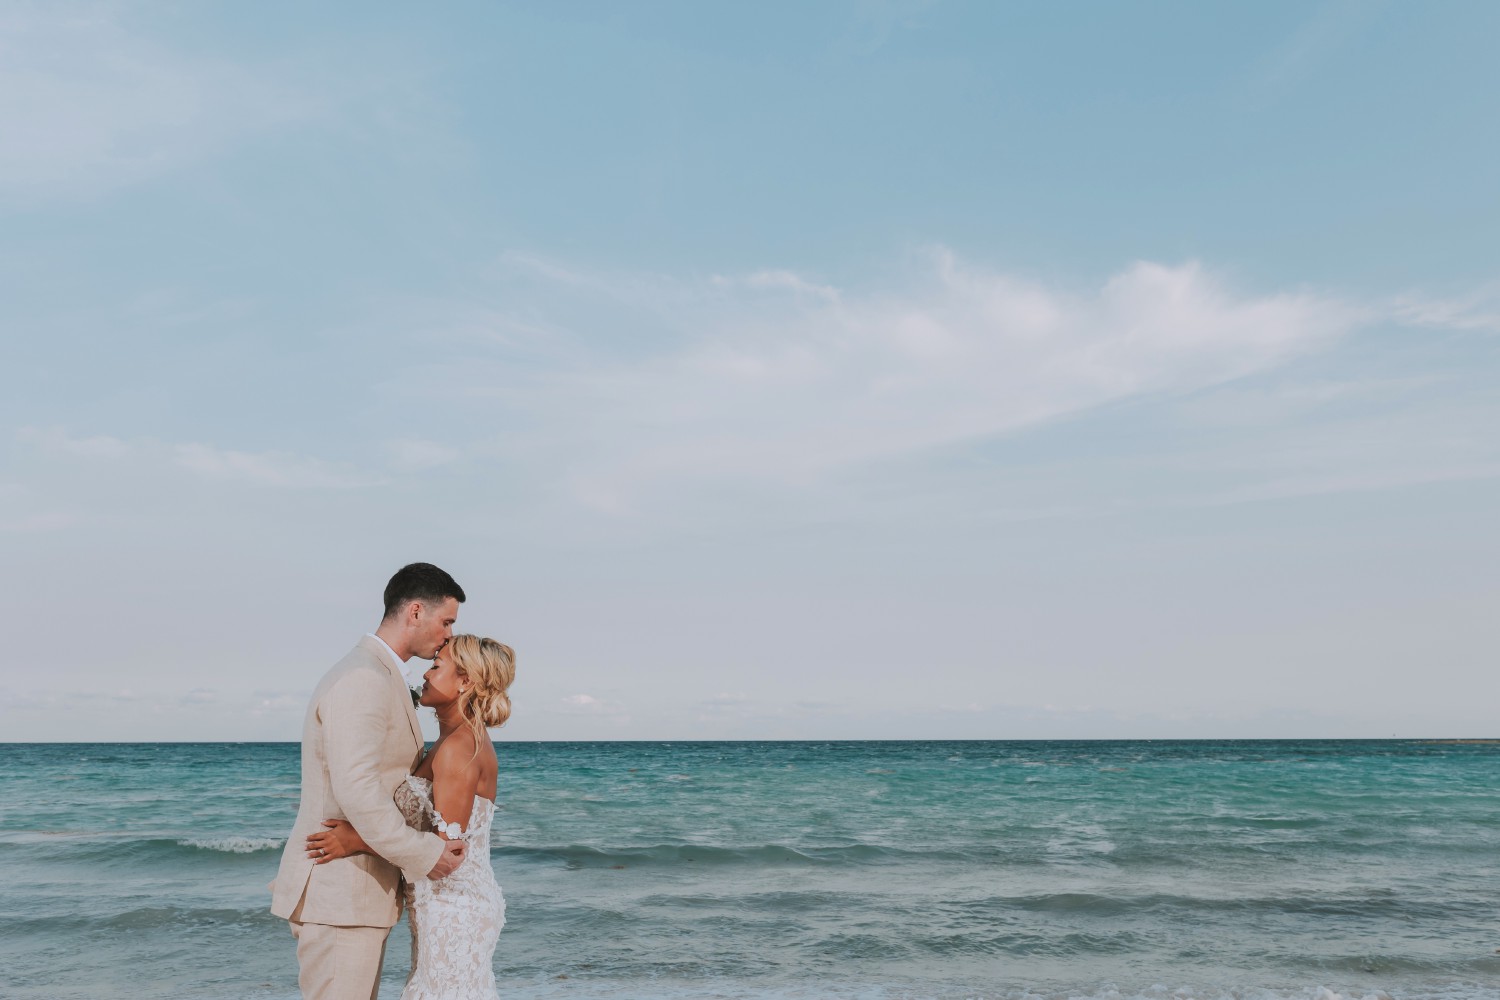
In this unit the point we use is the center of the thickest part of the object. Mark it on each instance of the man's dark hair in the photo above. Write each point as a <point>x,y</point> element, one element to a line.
<point>420,582</point>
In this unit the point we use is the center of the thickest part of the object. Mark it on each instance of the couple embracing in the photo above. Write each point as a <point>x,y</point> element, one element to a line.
<point>382,824</point>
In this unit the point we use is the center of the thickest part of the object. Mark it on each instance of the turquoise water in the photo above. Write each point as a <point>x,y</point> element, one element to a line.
<point>790,870</point>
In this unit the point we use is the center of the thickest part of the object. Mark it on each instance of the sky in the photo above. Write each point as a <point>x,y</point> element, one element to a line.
<point>851,370</point>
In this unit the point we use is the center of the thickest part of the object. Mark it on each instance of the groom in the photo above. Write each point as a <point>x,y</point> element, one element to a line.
<point>360,740</point>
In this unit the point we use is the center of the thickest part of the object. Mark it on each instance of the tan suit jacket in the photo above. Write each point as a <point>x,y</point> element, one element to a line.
<point>360,740</point>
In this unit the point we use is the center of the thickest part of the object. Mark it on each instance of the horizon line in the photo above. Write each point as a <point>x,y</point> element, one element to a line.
<point>1441,740</point>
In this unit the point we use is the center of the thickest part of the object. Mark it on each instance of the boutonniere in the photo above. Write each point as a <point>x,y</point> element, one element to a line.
<point>416,696</point>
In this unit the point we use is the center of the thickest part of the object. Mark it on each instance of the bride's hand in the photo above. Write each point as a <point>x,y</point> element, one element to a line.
<point>338,841</point>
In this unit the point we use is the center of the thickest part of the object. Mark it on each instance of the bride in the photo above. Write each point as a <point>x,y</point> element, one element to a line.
<point>455,921</point>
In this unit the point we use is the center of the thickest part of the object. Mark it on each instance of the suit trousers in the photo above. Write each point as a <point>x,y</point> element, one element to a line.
<point>338,963</point>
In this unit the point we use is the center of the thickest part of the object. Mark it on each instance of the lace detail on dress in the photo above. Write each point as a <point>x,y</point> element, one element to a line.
<point>455,921</point>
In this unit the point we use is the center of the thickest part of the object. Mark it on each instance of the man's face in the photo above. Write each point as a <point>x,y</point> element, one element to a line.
<point>433,627</point>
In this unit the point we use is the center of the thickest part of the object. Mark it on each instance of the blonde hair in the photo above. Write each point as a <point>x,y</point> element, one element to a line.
<point>490,667</point>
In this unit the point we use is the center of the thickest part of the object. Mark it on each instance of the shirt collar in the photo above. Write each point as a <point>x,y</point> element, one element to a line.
<point>400,663</point>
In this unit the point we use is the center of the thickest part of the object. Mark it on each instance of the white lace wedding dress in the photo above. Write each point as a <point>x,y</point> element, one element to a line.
<point>455,921</point>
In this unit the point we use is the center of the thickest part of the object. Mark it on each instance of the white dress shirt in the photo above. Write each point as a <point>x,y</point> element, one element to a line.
<point>399,662</point>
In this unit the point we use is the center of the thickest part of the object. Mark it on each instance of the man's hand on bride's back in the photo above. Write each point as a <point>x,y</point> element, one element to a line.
<point>451,858</point>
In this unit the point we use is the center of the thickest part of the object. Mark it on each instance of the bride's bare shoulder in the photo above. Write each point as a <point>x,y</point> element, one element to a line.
<point>464,759</point>
<point>455,752</point>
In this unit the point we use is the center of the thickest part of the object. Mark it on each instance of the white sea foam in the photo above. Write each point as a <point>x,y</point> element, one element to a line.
<point>1160,992</point>
<point>574,989</point>
<point>235,845</point>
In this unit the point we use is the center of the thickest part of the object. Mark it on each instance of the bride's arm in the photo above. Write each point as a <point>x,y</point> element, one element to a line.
<point>455,773</point>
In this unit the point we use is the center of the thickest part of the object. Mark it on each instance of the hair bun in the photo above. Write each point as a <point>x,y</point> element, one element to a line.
<point>490,667</point>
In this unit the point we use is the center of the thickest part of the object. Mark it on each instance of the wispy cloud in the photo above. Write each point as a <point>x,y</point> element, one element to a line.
<point>1476,310</point>
<point>58,441</point>
<point>779,378</point>
<point>41,521</point>
<point>1315,41</point>
<point>1389,440</point>
<point>91,104</point>
<point>277,702</point>
<point>273,469</point>
<point>18,513</point>
<point>587,704</point>
<point>416,454</point>
<point>783,280</point>
<point>735,707</point>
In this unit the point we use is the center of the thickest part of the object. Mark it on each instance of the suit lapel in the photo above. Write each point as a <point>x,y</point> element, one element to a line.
<point>400,690</point>
<point>404,693</point>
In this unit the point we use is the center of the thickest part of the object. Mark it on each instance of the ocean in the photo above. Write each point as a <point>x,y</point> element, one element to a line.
<point>874,870</point>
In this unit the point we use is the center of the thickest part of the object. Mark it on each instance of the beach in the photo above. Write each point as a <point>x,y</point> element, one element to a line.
<point>1116,869</point>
